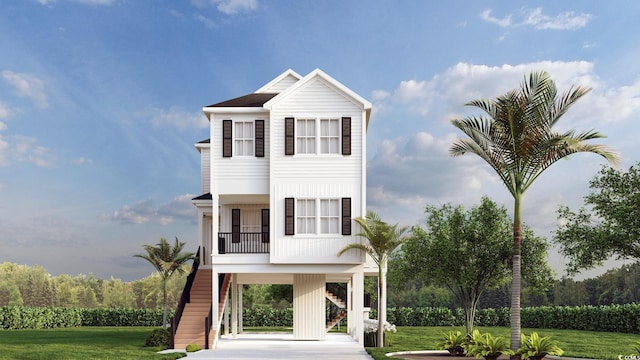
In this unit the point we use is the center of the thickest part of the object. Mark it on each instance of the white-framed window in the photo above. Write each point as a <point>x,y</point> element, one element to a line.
<point>306,136</point>
<point>243,138</point>
<point>329,216</point>
<point>318,216</point>
<point>329,136</point>
<point>306,216</point>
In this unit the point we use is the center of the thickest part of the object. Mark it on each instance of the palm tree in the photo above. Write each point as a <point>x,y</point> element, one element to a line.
<point>517,140</point>
<point>167,260</point>
<point>383,239</point>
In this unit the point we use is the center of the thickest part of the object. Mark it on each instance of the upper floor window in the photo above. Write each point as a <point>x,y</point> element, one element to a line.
<point>317,136</point>
<point>306,216</point>
<point>306,136</point>
<point>318,216</point>
<point>243,138</point>
<point>329,136</point>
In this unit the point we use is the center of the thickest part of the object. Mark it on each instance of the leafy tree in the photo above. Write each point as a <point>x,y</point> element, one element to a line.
<point>517,140</point>
<point>167,260</point>
<point>610,226</point>
<point>383,239</point>
<point>469,252</point>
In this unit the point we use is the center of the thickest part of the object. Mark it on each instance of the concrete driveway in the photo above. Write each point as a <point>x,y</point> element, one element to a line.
<point>282,346</point>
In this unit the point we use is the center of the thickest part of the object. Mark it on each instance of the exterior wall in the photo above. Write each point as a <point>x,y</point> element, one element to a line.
<point>307,248</point>
<point>315,176</point>
<point>309,306</point>
<point>280,86</point>
<point>238,174</point>
<point>205,167</point>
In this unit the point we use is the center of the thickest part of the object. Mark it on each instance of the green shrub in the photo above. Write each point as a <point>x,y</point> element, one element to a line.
<point>535,347</point>
<point>159,337</point>
<point>453,342</point>
<point>485,345</point>
<point>193,348</point>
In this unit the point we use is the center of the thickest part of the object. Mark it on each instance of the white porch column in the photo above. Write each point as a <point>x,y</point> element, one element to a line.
<point>309,306</point>
<point>234,306</point>
<point>356,307</point>
<point>240,326</point>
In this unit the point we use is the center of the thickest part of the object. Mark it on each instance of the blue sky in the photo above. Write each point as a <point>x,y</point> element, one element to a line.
<point>101,105</point>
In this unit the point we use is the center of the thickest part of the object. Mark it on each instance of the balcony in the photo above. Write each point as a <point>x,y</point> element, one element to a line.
<point>243,243</point>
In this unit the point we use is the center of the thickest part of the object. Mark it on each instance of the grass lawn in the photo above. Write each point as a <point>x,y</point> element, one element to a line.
<point>78,343</point>
<point>579,344</point>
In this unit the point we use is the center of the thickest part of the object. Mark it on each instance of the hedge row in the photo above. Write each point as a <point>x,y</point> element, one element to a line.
<point>23,317</point>
<point>614,318</point>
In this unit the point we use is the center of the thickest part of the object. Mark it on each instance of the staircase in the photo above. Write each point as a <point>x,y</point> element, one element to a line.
<point>191,329</point>
<point>341,304</point>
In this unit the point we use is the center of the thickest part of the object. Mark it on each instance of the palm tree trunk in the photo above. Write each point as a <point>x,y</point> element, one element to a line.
<point>164,303</point>
<point>516,280</point>
<point>382,304</point>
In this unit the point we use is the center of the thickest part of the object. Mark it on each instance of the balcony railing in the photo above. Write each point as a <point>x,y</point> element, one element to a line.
<point>243,243</point>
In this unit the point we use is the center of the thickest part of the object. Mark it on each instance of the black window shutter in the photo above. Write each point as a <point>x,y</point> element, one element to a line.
<point>346,216</point>
<point>265,225</point>
<point>227,139</point>
<point>235,225</point>
<point>289,136</point>
<point>289,216</point>
<point>346,136</point>
<point>259,131</point>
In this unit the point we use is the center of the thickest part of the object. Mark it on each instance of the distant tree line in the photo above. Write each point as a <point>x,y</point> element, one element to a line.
<point>23,285</point>
<point>616,286</point>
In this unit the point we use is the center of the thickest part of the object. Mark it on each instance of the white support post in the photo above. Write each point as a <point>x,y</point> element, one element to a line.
<point>240,312</point>
<point>234,306</point>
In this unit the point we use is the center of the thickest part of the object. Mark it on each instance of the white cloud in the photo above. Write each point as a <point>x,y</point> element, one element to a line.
<point>27,85</point>
<point>229,7</point>
<point>83,161</point>
<point>205,20</point>
<point>86,2</point>
<point>25,149</point>
<point>417,169</point>
<point>569,20</point>
<point>175,118</point>
<point>5,111</point>
<point>179,208</point>
<point>380,94</point>
<point>504,22</point>
<point>564,21</point>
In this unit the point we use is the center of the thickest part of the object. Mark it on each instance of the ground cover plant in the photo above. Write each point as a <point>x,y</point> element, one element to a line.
<point>575,343</point>
<point>79,343</point>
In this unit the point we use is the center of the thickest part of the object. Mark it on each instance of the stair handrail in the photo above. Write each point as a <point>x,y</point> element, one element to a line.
<point>208,321</point>
<point>207,327</point>
<point>185,298</point>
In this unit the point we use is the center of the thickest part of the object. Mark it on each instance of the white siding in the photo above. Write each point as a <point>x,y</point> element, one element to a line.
<point>309,316</point>
<point>238,174</point>
<point>317,99</point>
<point>315,176</point>
<point>205,165</point>
<point>281,86</point>
<point>306,248</point>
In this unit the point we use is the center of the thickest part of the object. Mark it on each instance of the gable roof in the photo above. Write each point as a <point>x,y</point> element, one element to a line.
<point>267,96</point>
<point>339,87</point>
<point>281,82</point>
<point>249,100</point>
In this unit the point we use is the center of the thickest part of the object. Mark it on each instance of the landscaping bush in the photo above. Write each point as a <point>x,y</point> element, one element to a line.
<point>159,337</point>
<point>25,317</point>
<point>193,348</point>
